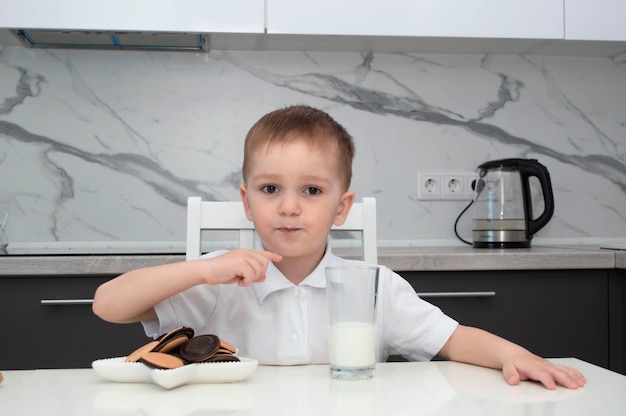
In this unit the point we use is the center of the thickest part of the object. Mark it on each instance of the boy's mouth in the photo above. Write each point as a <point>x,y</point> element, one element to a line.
<point>288,229</point>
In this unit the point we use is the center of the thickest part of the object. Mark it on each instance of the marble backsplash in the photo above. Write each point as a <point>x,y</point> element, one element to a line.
<point>102,148</point>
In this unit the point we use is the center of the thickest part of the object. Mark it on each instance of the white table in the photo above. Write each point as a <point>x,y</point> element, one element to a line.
<point>430,388</point>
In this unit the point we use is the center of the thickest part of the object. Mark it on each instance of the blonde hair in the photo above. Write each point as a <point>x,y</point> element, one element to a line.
<point>314,126</point>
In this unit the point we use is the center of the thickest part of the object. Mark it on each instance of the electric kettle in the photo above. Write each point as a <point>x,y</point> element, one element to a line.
<point>503,208</point>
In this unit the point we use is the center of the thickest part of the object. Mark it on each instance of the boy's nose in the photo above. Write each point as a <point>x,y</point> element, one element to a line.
<point>289,205</point>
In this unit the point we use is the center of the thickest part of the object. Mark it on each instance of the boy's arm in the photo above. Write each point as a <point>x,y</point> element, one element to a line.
<point>475,346</point>
<point>131,297</point>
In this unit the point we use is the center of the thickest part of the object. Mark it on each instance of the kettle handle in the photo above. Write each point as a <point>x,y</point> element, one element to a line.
<point>528,169</point>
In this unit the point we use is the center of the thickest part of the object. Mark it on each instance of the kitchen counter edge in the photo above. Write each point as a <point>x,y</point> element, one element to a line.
<point>396,258</point>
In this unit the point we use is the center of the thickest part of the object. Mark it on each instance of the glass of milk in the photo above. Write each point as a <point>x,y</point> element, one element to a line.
<point>351,292</point>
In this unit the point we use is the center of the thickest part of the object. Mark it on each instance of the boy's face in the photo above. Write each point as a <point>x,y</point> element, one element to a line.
<point>294,194</point>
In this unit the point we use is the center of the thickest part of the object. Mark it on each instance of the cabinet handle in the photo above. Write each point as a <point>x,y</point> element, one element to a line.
<point>60,302</point>
<point>457,294</point>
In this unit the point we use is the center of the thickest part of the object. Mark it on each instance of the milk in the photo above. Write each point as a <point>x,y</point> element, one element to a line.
<point>352,344</point>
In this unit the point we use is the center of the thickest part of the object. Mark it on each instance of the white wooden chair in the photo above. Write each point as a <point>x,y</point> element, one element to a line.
<point>219,215</point>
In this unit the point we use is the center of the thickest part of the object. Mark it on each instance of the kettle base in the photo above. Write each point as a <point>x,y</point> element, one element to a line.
<point>501,244</point>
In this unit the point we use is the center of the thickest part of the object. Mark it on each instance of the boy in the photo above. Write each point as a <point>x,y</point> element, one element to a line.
<point>271,302</point>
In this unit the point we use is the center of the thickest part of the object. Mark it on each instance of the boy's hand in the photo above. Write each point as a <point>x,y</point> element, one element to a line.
<point>479,347</point>
<point>531,367</point>
<point>241,266</point>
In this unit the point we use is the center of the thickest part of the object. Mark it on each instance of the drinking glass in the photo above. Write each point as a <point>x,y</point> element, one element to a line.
<point>351,292</point>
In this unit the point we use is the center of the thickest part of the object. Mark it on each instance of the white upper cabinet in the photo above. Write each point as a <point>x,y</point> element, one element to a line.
<point>508,19</point>
<point>232,16</point>
<point>595,20</point>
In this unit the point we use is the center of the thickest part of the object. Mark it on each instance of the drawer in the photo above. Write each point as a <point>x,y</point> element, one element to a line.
<point>48,323</point>
<point>560,313</point>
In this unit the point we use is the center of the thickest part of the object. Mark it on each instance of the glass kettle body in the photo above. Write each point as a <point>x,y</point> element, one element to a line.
<point>503,210</point>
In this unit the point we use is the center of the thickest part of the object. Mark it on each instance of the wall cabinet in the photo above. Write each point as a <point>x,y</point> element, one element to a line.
<point>428,26</point>
<point>64,333</point>
<point>597,20</point>
<point>222,16</point>
<point>528,19</point>
<point>556,313</point>
<point>496,19</point>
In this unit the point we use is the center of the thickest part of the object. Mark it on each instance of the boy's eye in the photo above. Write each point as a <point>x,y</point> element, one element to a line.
<point>269,189</point>
<point>312,190</point>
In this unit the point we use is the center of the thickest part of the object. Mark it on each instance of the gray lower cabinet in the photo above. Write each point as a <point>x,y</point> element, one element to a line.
<point>553,313</point>
<point>46,323</point>
<point>617,320</point>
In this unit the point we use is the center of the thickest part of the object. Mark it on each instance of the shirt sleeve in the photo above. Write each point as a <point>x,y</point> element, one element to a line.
<point>412,327</point>
<point>191,308</point>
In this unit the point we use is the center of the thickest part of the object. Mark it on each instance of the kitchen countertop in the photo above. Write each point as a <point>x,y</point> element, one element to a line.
<point>436,388</point>
<point>620,259</point>
<point>469,258</point>
<point>457,258</point>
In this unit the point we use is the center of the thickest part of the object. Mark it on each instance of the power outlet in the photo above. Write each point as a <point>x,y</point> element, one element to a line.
<point>469,180</point>
<point>453,186</point>
<point>428,186</point>
<point>444,186</point>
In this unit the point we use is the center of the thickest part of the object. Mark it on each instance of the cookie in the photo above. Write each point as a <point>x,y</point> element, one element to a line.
<point>161,360</point>
<point>179,347</point>
<point>174,339</point>
<point>217,358</point>
<point>228,347</point>
<point>200,348</point>
<point>139,352</point>
<point>168,342</point>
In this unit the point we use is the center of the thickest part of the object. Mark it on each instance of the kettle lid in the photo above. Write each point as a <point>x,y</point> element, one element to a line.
<point>512,162</point>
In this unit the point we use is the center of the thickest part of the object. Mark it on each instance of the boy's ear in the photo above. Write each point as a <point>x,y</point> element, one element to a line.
<point>243,190</point>
<point>347,199</point>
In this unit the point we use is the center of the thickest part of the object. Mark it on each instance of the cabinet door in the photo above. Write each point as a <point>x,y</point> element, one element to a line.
<point>235,16</point>
<point>525,19</point>
<point>560,313</point>
<point>595,20</point>
<point>617,320</point>
<point>58,334</point>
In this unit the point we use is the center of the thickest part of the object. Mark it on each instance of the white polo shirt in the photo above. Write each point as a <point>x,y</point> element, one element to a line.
<point>279,323</point>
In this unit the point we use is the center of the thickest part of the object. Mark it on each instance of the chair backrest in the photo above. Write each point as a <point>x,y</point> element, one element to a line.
<point>219,215</point>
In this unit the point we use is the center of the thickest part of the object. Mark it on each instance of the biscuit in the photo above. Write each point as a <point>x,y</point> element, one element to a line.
<point>179,347</point>
<point>221,358</point>
<point>174,339</point>
<point>200,348</point>
<point>161,360</point>
<point>168,342</point>
<point>229,347</point>
<point>139,352</point>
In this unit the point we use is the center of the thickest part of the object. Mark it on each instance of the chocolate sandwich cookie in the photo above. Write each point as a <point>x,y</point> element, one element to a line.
<point>161,360</point>
<point>222,358</point>
<point>174,339</point>
<point>228,347</point>
<point>166,343</point>
<point>139,352</point>
<point>200,348</point>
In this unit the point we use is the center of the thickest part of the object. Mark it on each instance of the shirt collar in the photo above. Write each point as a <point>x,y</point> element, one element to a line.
<point>276,281</point>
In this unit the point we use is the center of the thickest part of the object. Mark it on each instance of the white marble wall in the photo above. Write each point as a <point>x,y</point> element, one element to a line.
<point>103,148</point>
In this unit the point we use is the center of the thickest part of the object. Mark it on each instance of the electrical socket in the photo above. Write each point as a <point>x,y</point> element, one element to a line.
<point>453,186</point>
<point>428,186</point>
<point>444,186</point>
<point>469,191</point>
